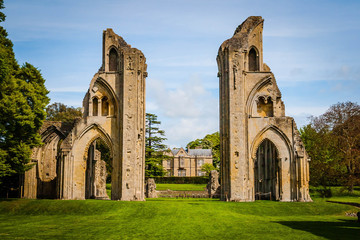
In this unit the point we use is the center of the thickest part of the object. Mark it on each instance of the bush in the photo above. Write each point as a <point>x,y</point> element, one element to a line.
<point>181,180</point>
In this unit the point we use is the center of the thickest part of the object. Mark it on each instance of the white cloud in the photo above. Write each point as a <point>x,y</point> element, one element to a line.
<point>187,112</point>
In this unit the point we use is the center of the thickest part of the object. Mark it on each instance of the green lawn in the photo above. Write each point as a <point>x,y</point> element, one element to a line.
<point>175,219</point>
<point>180,187</point>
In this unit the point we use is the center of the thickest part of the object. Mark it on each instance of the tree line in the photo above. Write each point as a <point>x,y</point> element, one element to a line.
<point>332,141</point>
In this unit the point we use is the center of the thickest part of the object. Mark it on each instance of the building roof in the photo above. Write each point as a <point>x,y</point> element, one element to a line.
<point>175,150</point>
<point>200,152</point>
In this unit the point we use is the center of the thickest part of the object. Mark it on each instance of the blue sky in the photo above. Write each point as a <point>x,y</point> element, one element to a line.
<point>312,48</point>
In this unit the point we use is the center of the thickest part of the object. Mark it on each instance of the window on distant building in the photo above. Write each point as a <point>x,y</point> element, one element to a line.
<point>182,163</point>
<point>168,163</point>
<point>200,162</point>
<point>201,173</point>
<point>182,173</point>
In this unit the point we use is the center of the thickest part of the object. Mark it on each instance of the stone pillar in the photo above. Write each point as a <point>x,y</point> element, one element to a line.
<point>151,188</point>
<point>213,185</point>
<point>30,182</point>
<point>128,84</point>
<point>65,177</point>
<point>100,177</point>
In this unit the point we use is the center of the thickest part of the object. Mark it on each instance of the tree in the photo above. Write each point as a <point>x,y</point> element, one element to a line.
<point>210,141</point>
<point>333,142</point>
<point>61,112</point>
<point>154,147</point>
<point>319,145</point>
<point>22,103</point>
<point>207,168</point>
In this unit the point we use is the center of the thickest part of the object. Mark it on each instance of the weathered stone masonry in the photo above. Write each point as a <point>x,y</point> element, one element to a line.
<point>113,110</point>
<point>262,155</point>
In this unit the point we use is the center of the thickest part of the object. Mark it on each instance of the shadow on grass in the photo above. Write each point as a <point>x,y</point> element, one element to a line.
<point>346,203</point>
<point>344,229</point>
<point>8,199</point>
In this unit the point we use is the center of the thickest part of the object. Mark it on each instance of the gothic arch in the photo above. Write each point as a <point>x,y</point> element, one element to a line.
<point>110,91</point>
<point>80,153</point>
<point>251,99</point>
<point>113,59</point>
<point>47,134</point>
<point>275,135</point>
<point>101,133</point>
<point>285,158</point>
<point>102,137</point>
<point>253,59</point>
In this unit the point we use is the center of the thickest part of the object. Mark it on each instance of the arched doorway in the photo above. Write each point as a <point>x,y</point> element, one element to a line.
<point>98,170</point>
<point>267,172</point>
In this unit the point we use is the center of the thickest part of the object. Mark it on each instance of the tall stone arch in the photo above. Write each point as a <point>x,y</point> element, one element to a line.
<point>251,110</point>
<point>282,144</point>
<point>119,120</point>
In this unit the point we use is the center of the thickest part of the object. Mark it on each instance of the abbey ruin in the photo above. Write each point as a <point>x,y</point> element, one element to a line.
<point>68,165</point>
<point>262,156</point>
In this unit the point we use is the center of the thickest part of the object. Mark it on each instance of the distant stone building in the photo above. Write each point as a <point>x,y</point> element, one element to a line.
<point>68,165</point>
<point>187,163</point>
<point>262,155</point>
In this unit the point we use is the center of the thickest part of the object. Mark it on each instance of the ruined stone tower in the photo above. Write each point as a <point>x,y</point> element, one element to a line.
<point>69,164</point>
<point>262,156</point>
<point>122,76</point>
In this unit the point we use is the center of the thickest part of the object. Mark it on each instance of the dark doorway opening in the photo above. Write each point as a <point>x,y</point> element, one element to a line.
<point>267,172</point>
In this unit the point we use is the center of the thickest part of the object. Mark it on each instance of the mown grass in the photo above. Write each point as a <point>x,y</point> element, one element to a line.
<point>180,219</point>
<point>175,219</point>
<point>180,187</point>
<point>341,194</point>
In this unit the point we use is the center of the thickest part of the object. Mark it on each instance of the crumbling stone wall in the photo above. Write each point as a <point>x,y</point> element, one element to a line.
<point>251,111</point>
<point>151,188</point>
<point>113,110</point>
<point>213,185</point>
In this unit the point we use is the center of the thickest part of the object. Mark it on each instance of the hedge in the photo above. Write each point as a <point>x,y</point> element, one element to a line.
<point>181,180</point>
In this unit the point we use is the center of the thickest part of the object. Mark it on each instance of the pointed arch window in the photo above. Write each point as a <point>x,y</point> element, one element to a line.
<point>105,106</point>
<point>253,60</point>
<point>113,60</point>
<point>95,106</point>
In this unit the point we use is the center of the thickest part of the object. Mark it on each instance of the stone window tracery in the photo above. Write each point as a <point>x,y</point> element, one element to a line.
<point>265,106</point>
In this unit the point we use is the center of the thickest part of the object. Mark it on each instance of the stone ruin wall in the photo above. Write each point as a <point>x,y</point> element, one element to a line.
<point>251,111</point>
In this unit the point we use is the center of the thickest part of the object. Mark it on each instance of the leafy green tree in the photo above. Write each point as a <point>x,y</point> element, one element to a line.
<point>319,145</point>
<point>333,143</point>
<point>207,168</point>
<point>60,112</point>
<point>210,141</point>
<point>22,103</point>
<point>154,147</point>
